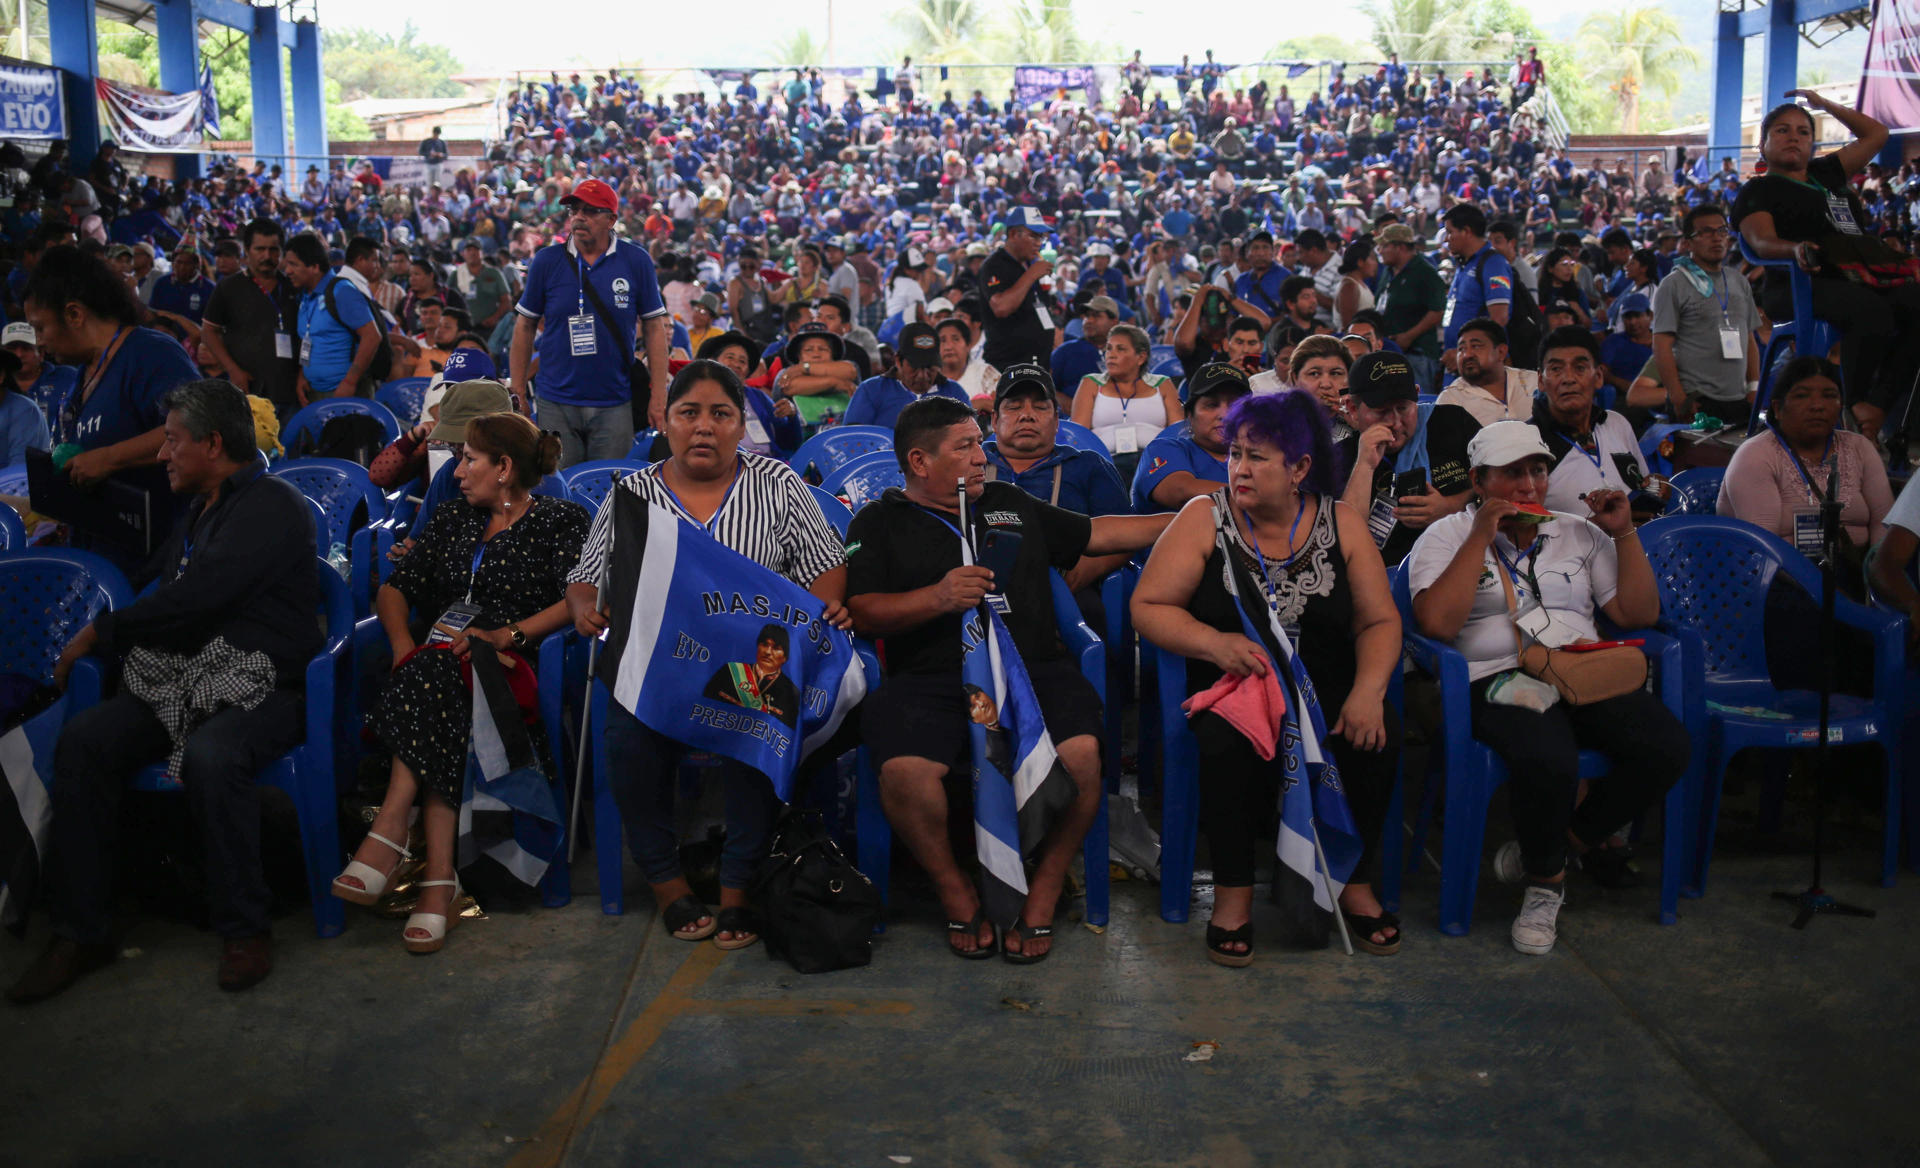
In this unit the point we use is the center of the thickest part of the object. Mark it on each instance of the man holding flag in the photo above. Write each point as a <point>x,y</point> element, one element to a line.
<point>952,572</point>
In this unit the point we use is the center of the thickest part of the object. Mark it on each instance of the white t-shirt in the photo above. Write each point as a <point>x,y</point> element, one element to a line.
<point>902,295</point>
<point>1268,381</point>
<point>1905,511</point>
<point>1577,472</point>
<point>1576,568</point>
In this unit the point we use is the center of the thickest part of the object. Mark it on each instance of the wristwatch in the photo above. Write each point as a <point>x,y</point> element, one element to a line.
<point>519,637</point>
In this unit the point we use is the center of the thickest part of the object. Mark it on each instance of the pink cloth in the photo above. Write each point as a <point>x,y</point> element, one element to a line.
<point>1252,705</point>
<point>1763,487</point>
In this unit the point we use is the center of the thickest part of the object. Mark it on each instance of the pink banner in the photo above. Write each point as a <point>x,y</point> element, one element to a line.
<point>1890,79</point>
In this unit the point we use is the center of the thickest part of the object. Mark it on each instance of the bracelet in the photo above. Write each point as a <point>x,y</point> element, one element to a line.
<point>1631,533</point>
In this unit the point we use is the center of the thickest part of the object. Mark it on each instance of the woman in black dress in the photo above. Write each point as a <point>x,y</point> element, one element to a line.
<point>1321,573</point>
<point>500,555</point>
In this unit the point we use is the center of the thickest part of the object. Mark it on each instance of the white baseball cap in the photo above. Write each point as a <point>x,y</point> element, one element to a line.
<point>1505,443</point>
<point>18,333</point>
<point>939,304</point>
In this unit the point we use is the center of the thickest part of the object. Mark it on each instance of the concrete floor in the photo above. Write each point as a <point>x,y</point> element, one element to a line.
<point>548,1037</point>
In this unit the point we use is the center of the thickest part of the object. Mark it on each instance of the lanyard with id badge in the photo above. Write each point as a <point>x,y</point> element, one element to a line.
<point>583,339</point>
<point>460,613</point>
<point>1733,345</point>
<point>1808,538</point>
<point>999,550</point>
<point>1126,439</point>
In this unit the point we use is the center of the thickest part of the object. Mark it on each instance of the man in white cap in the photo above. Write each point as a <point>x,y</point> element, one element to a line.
<point>1020,324</point>
<point>45,383</point>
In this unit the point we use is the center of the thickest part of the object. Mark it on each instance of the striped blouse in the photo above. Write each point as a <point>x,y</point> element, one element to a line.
<point>769,516</point>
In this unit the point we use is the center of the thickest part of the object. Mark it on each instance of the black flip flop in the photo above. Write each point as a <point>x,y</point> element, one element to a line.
<point>684,912</point>
<point>1218,939</point>
<point>972,928</point>
<point>1362,929</point>
<point>1026,932</point>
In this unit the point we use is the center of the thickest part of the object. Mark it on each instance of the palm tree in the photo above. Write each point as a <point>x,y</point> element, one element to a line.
<point>1044,32</point>
<point>942,30</point>
<point>799,48</point>
<point>1422,30</point>
<point>1635,50</point>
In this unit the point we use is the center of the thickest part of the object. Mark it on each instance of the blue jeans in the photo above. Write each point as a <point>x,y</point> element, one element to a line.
<point>645,772</point>
<point>1426,372</point>
<point>588,433</point>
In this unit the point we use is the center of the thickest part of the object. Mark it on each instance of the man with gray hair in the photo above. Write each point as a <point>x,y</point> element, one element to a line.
<point>215,658</point>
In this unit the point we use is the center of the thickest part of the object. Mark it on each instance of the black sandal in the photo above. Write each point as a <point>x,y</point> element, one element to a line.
<point>1362,929</point>
<point>684,912</point>
<point>742,922</point>
<point>1218,939</point>
<point>1026,932</point>
<point>971,928</point>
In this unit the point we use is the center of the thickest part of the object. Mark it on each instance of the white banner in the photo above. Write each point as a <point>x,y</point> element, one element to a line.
<point>156,123</point>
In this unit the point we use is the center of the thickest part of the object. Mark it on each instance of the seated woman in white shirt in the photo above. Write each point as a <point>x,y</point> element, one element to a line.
<point>1560,571</point>
<point>1126,406</point>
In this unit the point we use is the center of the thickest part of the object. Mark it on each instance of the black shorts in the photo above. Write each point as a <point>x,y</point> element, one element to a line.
<point>924,715</point>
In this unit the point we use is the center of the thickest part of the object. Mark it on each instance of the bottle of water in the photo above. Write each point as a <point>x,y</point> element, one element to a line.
<point>342,562</point>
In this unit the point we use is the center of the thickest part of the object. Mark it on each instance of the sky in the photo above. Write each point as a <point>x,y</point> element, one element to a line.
<point>689,34</point>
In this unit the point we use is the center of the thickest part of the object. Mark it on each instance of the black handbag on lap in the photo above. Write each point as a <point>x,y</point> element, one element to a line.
<point>818,911</point>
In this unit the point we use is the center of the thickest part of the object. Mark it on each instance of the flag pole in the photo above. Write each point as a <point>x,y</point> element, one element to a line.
<point>1326,882</point>
<point>580,753</point>
<point>966,530</point>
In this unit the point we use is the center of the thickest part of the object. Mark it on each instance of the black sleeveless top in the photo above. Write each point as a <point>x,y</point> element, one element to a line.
<point>1311,593</point>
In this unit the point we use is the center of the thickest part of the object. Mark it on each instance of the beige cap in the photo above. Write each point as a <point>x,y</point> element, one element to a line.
<point>465,402</point>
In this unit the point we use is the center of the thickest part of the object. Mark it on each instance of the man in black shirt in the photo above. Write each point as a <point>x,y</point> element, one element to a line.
<point>906,583</point>
<point>1020,325</point>
<point>1409,460</point>
<point>250,321</point>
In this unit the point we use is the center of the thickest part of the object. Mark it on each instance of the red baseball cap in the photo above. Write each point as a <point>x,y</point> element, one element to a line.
<point>594,193</point>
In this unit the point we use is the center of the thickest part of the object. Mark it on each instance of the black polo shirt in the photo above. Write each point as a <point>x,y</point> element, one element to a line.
<point>1020,336</point>
<point>1447,432</point>
<point>895,545</point>
<point>1799,213</point>
<point>248,319</point>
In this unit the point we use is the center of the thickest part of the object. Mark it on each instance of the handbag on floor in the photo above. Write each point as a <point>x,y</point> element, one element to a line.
<point>817,910</point>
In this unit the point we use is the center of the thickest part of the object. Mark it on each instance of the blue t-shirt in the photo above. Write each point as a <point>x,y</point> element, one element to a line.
<point>625,279</point>
<point>49,390</point>
<point>22,428</point>
<point>1623,356</point>
<point>1264,293</point>
<point>1171,453</point>
<point>1073,361</point>
<point>877,401</point>
<point>1484,279</point>
<point>126,401</point>
<point>327,345</point>
<point>189,300</point>
<point>1089,483</point>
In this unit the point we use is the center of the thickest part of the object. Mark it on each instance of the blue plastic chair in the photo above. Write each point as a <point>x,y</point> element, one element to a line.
<point>306,424</point>
<point>1164,360</point>
<point>876,834</point>
<point>1713,575</point>
<point>831,507</point>
<point>1696,491</point>
<point>1080,438</point>
<point>50,595</point>
<point>590,482</point>
<point>405,397</point>
<point>345,494</point>
<point>1473,772</point>
<point>642,449</point>
<point>861,481</point>
<point>311,774</point>
<point>13,530</point>
<point>1821,335</point>
<point>832,448</point>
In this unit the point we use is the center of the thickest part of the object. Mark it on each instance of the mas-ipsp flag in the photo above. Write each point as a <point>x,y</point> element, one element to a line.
<point>713,650</point>
<point>1890,77</point>
<point>26,814</point>
<point>209,104</point>
<point>507,807</point>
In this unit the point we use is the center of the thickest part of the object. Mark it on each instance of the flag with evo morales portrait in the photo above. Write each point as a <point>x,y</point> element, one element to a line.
<point>713,650</point>
<point>1019,784</point>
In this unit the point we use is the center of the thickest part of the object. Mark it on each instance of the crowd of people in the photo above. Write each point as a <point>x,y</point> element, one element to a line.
<point>1379,329</point>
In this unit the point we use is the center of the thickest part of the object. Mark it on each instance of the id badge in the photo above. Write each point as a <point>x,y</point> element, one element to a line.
<point>452,622</point>
<point>1381,519</point>
<point>581,337</point>
<point>1806,532</point>
<point>1841,214</point>
<point>306,350</point>
<point>1533,618</point>
<point>1046,318</point>
<point>757,433</point>
<point>1731,345</point>
<point>1446,319</point>
<point>283,346</point>
<point>1126,440</point>
<point>999,603</point>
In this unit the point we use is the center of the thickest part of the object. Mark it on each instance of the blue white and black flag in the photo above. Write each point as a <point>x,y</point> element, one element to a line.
<point>26,814</point>
<point>508,810</point>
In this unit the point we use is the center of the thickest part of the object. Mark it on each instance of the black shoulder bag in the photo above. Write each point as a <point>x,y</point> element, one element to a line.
<point>637,390</point>
<point>818,910</point>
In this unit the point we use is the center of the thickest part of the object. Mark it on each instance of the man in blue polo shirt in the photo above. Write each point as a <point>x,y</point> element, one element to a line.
<point>338,333</point>
<point>1025,449</point>
<point>586,332</point>
<point>1260,284</point>
<point>1081,356</point>
<point>182,297</point>
<point>1482,278</point>
<point>1184,464</point>
<point>877,401</point>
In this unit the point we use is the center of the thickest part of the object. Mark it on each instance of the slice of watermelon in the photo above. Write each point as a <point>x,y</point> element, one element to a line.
<point>1533,513</point>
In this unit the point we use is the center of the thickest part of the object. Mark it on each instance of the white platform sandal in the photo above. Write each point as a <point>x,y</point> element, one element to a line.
<point>435,925</point>
<point>373,880</point>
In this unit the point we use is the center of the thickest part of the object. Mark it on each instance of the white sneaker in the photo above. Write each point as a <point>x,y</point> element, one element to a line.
<point>1506,863</point>
<point>1535,927</point>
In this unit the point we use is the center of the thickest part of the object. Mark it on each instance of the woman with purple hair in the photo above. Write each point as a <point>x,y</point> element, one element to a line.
<point>1276,537</point>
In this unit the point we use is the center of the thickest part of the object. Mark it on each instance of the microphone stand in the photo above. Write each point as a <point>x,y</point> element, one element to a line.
<point>1813,900</point>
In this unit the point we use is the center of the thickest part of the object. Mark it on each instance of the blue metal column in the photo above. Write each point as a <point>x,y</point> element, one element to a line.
<point>309,104</point>
<point>178,26</point>
<point>73,36</point>
<point>1781,71</point>
<point>269,94</point>
<point>1723,126</point>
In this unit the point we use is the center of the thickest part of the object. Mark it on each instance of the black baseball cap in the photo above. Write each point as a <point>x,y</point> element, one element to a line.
<point>1380,379</point>
<point>1020,378</point>
<point>919,345</point>
<point>1214,377</point>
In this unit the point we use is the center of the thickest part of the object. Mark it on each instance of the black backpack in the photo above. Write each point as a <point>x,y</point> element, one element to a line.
<point>1526,324</point>
<point>382,366</point>
<point>818,910</point>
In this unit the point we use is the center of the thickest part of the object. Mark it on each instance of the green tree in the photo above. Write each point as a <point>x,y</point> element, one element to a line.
<point>1423,30</point>
<point>1632,51</point>
<point>369,63</point>
<point>800,47</point>
<point>133,57</point>
<point>1046,32</point>
<point>947,31</point>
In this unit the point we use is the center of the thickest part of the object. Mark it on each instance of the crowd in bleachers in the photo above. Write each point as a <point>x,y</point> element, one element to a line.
<point>1379,368</point>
